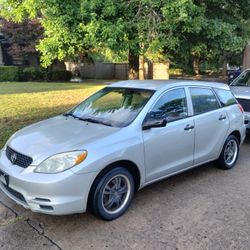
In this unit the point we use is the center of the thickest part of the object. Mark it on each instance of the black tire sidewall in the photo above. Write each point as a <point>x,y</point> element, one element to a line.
<point>97,201</point>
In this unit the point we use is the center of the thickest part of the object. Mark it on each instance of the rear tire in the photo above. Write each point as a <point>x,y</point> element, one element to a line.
<point>111,194</point>
<point>229,153</point>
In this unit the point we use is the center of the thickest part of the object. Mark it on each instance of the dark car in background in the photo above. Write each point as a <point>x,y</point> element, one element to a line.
<point>241,89</point>
<point>233,74</point>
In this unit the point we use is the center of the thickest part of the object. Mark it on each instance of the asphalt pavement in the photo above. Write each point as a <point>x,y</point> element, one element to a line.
<point>204,208</point>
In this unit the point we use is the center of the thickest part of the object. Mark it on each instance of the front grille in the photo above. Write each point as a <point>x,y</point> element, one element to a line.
<point>17,158</point>
<point>245,104</point>
<point>16,194</point>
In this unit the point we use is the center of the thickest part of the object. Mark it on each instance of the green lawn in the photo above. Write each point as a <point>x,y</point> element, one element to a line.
<point>24,103</point>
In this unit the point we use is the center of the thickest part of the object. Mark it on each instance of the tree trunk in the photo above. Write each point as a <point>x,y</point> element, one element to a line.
<point>141,68</point>
<point>1,56</point>
<point>246,57</point>
<point>133,61</point>
<point>224,68</point>
<point>196,65</point>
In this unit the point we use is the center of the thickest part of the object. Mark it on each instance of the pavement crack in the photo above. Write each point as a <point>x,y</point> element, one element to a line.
<point>32,224</point>
<point>40,230</point>
<point>8,221</point>
<point>11,209</point>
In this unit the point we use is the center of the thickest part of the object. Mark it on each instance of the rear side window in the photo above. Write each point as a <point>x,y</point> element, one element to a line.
<point>226,97</point>
<point>204,100</point>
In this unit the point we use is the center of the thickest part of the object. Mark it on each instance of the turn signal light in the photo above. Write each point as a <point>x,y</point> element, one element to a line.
<point>241,108</point>
<point>80,158</point>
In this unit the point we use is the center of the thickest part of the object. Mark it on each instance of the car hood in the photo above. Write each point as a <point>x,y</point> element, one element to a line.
<point>241,92</point>
<point>56,135</point>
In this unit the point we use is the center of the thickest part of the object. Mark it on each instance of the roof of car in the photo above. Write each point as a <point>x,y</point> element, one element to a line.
<point>165,84</point>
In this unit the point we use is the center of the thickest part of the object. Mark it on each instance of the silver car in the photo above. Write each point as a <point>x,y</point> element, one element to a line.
<point>241,89</point>
<point>124,137</point>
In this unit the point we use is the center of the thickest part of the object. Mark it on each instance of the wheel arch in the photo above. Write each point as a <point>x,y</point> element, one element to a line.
<point>129,165</point>
<point>237,134</point>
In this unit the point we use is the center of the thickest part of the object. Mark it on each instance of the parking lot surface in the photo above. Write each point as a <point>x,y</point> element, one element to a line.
<point>204,208</point>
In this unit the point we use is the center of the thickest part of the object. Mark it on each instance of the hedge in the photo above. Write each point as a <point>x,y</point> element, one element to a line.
<point>34,74</point>
<point>31,74</point>
<point>8,73</point>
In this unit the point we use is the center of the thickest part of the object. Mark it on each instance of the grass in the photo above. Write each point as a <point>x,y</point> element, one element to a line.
<point>25,103</point>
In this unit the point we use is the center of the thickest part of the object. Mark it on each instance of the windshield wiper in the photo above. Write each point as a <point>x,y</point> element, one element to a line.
<point>95,121</point>
<point>88,119</point>
<point>70,114</point>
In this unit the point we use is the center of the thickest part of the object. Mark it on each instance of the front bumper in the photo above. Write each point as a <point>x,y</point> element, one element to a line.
<point>58,194</point>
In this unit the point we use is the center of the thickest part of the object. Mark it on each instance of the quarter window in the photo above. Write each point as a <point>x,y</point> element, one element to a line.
<point>171,106</point>
<point>226,97</point>
<point>203,100</point>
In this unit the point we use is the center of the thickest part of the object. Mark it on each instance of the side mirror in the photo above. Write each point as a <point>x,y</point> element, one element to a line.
<point>154,123</point>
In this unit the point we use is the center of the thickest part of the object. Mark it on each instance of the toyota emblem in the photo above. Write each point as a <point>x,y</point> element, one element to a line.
<point>13,158</point>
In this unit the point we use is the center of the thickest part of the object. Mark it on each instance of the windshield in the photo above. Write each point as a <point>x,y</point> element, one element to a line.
<point>242,80</point>
<point>110,106</point>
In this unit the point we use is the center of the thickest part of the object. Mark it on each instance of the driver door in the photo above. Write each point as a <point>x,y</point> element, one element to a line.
<point>169,149</point>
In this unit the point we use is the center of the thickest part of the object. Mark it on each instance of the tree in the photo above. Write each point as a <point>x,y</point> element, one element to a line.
<point>22,37</point>
<point>182,31</point>
<point>76,26</point>
<point>223,33</point>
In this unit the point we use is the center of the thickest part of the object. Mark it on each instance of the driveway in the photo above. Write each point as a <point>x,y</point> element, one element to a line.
<point>205,208</point>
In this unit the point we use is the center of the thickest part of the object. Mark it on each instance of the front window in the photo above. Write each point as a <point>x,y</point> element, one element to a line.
<point>243,80</point>
<point>111,106</point>
<point>171,106</point>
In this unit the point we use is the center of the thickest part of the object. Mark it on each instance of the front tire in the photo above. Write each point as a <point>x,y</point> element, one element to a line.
<point>111,195</point>
<point>229,153</point>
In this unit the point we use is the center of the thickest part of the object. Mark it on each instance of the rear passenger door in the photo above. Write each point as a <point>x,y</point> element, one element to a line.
<point>211,124</point>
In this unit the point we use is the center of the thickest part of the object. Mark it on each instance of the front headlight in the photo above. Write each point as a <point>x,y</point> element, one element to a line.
<point>61,162</point>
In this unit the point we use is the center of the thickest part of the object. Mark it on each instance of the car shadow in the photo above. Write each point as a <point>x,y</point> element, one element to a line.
<point>247,140</point>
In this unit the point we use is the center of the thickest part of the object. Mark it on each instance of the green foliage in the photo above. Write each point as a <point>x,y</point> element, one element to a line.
<point>31,74</point>
<point>178,30</point>
<point>8,73</point>
<point>34,74</point>
<point>175,71</point>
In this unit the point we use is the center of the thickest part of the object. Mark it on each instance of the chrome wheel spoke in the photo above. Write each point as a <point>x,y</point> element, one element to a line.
<point>123,190</point>
<point>107,191</point>
<point>118,201</point>
<point>110,203</point>
<point>117,182</point>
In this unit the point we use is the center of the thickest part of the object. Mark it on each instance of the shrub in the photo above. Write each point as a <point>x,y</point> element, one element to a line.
<point>176,72</point>
<point>60,75</point>
<point>30,74</point>
<point>8,73</point>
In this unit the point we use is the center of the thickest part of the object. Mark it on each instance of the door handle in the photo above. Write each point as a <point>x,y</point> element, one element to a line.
<point>189,127</point>
<point>222,117</point>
